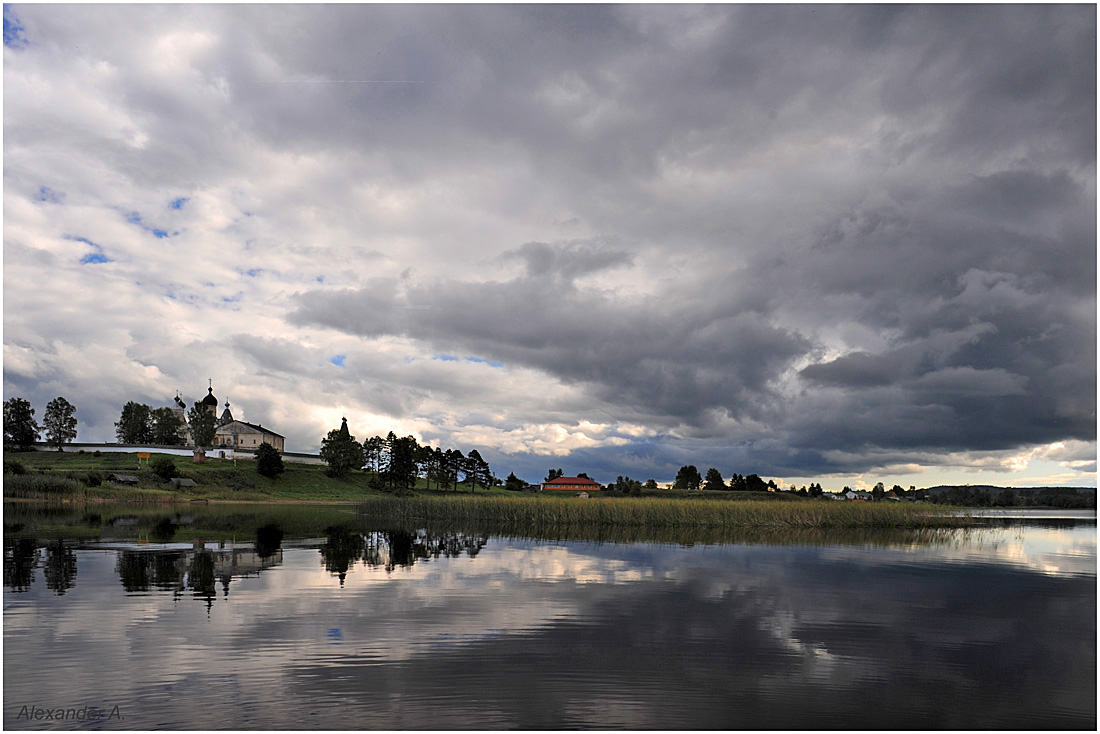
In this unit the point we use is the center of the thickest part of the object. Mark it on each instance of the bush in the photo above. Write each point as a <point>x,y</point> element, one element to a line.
<point>93,479</point>
<point>268,461</point>
<point>14,467</point>
<point>165,468</point>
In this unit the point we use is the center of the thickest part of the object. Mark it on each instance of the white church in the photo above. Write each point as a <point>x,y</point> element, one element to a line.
<point>230,432</point>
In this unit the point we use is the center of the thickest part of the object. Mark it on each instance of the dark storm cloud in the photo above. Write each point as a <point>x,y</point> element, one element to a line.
<point>668,361</point>
<point>799,233</point>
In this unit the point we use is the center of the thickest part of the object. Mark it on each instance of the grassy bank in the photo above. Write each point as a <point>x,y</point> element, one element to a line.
<point>50,475</point>
<point>532,514</point>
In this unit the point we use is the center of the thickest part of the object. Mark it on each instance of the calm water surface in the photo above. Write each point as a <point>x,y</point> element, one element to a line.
<point>357,628</point>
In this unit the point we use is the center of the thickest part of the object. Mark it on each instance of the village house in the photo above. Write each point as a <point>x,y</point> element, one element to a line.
<point>571,484</point>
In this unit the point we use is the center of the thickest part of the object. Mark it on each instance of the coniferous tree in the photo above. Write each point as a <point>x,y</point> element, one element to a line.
<point>714,480</point>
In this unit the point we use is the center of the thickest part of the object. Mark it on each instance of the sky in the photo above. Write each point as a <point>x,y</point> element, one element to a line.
<point>843,244</point>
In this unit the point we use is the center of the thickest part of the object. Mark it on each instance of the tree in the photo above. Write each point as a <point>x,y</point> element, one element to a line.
<point>402,470</point>
<point>651,484</point>
<point>165,468</point>
<point>20,427</point>
<point>753,483</point>
<point>453,462</point>
<point>341,451</point>
<point>133,424</point>
<point>513,482</point>
<point>59,422</point>
<point>714,480</point>
<point>165,427</point>
<point>687,478</point>
<point>737,482</point>
<point>878,492</point>
<point>268,461</point>
<point>553,474</point>
<point>477,470</point>
<point>202,424</point>
<point>372,452</point>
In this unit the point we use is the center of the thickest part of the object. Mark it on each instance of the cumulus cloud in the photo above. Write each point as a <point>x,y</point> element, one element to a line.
<point>777,239</point>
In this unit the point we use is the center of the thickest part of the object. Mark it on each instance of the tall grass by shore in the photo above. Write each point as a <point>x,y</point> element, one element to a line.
<point>524,513</point>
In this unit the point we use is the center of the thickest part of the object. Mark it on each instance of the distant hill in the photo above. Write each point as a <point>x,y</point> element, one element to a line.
<point>1017,490</point>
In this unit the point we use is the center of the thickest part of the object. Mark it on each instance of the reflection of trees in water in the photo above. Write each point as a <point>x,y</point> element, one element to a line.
<point>268,540</point>
<point>201,577</point>
<point>405,548</point>
<point>343,547</point>
<point>390,549</point>
<point>20,559</point>
<point>163,530</point>
<point>60,567</point>
<point>142,570</point>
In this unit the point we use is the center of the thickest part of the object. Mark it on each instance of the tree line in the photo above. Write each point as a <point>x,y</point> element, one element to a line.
<point>21,430</point>
<point>398,463</point>
<point>140,424</point>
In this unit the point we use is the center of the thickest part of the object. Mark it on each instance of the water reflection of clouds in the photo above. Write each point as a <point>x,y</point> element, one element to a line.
<point>1050,551</point>
<point>545,635</point>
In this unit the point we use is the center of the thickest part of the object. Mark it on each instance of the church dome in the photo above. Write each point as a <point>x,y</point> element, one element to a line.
<point>210,399</point>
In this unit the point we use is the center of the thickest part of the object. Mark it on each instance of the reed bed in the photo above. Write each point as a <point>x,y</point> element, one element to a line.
<point>538,512</point>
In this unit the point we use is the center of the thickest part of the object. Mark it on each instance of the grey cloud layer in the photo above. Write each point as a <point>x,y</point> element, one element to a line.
<point>783,236</point>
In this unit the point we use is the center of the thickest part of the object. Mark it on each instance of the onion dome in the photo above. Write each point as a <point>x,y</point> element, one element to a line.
<point>210,400</point>
<point>227,417</point>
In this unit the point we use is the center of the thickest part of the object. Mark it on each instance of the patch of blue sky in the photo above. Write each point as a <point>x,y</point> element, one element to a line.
<point>252,273</point>
<point>178,203</point>
<point>45,193</point>
<point>93,257</point>
<point>160,233</point>
<point>338,360</point>
<point>320,279</point>
<point>446,357</point>
<point>479,360</point>
<point>133,218</point>
<point>14,32</point>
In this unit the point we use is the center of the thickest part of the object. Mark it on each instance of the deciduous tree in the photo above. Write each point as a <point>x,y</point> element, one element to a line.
<point>165,428</point>
<point>59,422</point>
<point>341,451</point>
<point>20,427</point>
<point>133,425</point>
<point>202,424</point>
<point>268,461</point>
<point>687,478</point>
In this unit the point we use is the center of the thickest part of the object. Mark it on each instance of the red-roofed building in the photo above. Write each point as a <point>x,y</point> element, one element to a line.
<point>571,484</point>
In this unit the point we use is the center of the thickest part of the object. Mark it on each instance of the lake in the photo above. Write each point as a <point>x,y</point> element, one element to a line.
<point>214,618</point>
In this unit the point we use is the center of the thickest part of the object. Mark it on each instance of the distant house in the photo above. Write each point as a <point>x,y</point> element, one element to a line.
<point>122,478</point>
<point>571,484</point>
<point>178,482</point>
